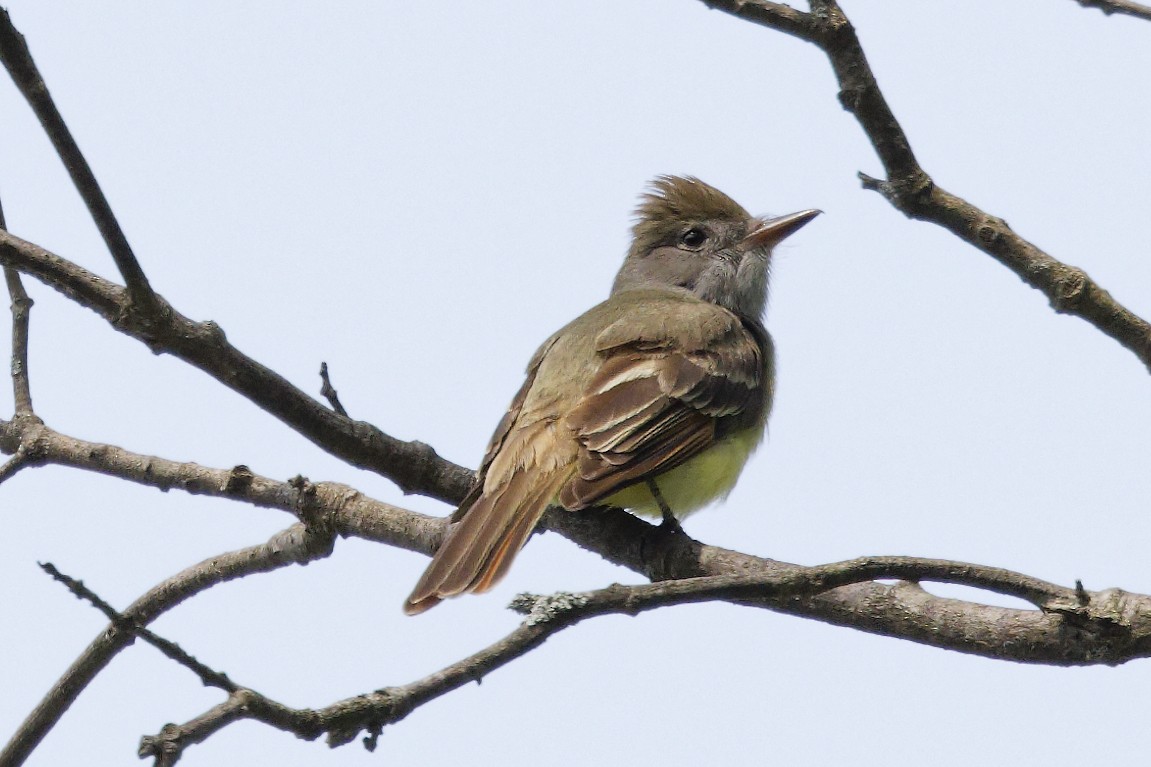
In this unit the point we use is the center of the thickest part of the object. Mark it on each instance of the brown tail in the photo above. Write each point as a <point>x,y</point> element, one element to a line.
<point>480,548</point>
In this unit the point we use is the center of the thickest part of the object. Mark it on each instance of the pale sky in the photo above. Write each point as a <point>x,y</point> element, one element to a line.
<point>419,194</point>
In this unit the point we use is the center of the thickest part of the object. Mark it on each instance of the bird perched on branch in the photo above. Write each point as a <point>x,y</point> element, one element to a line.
<point>651,401</point>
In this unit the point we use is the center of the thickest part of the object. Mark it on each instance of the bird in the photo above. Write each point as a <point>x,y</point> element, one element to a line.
<point>651,401</point>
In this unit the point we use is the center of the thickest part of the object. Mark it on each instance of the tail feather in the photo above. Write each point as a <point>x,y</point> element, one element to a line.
<point>480,548</point>
<point>517,535</point>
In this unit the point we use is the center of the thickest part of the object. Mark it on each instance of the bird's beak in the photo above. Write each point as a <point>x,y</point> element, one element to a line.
<point>775,230</point>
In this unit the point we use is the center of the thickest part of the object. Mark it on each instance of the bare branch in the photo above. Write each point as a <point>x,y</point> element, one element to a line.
<point>330,505</point>
<point>76,283</point>
<point>208,676</point>
<point>774,15</point>
<point>21,459</point>
<point>547,615</point>
<point>139,312</point>
<point>910,190</point>
<point>1125,7</point>
<point>344,720</point>
<point>897,611</point>
<point>414,466</point>
<point>21,309</point>
<point>18,61</point>
<point>329,392</point>
<point>13,465</point>
<point>295,545</point>
<point>167,747</point>
<point>1077,627</point>
<point>232,709</point>
<point>902,610</point>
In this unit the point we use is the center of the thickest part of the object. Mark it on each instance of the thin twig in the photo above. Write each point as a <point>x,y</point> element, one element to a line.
<point>18,61</point>
<point>329,392</point>
<point>21,309</point>
<point>208,676</point>
<point>21,459</point>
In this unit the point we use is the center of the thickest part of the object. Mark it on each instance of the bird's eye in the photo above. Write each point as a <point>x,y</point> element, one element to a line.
<point>693,238</point>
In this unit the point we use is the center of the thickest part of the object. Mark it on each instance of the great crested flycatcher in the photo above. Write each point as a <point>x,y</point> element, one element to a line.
<point>651,401</point>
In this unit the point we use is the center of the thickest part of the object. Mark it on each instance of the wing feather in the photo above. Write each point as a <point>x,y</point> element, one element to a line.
<point>660,398</point>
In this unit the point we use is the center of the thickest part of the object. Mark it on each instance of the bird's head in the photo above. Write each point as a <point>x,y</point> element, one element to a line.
<point>692,236</point>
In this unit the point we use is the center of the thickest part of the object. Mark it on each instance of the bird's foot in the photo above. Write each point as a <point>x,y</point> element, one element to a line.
<point>669,523</point>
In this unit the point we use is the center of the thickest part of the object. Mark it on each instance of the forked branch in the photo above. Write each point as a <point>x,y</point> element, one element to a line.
<point>344,720</point>
<point>296,545</point>
<point>18,61</point>
<point>913,192</point>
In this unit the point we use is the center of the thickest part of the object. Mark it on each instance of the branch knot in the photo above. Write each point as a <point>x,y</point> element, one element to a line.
<point>1070,286</point>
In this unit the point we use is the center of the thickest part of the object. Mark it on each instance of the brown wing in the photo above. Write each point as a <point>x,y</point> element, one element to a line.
<point>660,398</point>
<point>499,437</point>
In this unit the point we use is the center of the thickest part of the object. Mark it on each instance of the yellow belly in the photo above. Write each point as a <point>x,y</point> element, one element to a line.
<point>707,477</point>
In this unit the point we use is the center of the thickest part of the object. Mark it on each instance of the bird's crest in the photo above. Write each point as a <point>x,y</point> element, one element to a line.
<point>674,200</point>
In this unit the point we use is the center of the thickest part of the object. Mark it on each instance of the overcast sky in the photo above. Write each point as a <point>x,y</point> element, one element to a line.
<point>419,194</point>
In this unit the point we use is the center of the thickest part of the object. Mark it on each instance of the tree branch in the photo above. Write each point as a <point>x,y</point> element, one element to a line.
<point>295,545</point>
<point>902,611</point>
<point>18,61</point>
<point>141,313</point>
<point>774,15</point>
<point>21,309</point>
<point>1125,7</point>
<point>19,460</point>
<point>208,677</point>
<point>21,387</point>
<point>329,505</point>
<point>548,615</point>
<point>891,610</point>
<point>912,191</point>
<point>414,466</point>
<point>1075,626</point>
